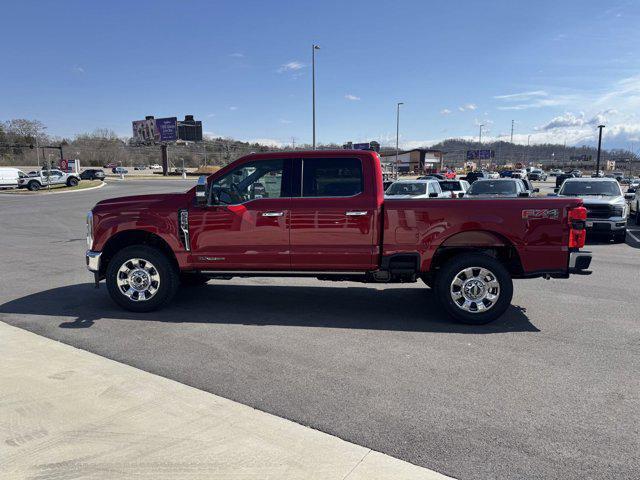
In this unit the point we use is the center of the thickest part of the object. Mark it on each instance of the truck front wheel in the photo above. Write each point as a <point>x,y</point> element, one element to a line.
<point>141,278</point>
<point>474,288</point>
<point>72,182</point>
<point>33,186</point>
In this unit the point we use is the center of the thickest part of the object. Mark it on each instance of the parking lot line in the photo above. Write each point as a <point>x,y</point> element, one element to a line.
<point>632,235</point>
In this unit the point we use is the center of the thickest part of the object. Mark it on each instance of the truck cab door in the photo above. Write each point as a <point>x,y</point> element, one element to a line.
<point>333,215</point>
<point>245,225</point>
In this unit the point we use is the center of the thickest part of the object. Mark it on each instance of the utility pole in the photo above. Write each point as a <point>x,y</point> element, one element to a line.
<point>313,89</point>
<point>480,135</point>
<point>398,134</point>
<point>293,143</point>
<point>511,131</point>
<point>600,127</point>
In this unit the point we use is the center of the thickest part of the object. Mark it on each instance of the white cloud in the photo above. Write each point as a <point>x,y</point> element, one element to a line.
<point>285,121</point>
<point>522,95</point>
<point>270,142</point>
<point>348,96</point>
<point>233,108</point>
<point>468,106</point>
<point>78,69</point>
<point>291,67</point>
<point>211,115</point>
<point>237,55</point>
<point>445,111</point>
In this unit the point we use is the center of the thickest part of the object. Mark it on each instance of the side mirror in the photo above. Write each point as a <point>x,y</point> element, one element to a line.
<point>556,190</point>
<point>433,195</point>
<point>201,191</point>
<point>523,194</point>
<point>460,195</point>
<point>629,196</point>
<point>536,190</point>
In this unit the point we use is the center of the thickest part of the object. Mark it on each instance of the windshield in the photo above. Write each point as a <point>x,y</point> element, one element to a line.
<point>407,188</point>
<point>492,188</point>
<point>450,186</point>
<point>609,189</point>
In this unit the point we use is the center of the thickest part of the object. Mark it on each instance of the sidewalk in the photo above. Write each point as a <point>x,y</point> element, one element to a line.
<point>66,413</point>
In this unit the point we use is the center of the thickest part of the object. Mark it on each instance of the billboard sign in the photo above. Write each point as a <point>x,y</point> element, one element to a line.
<point>155,130</point>
<point>480,154</point>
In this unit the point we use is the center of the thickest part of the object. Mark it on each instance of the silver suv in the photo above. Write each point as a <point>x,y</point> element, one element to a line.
<point>606,206</point>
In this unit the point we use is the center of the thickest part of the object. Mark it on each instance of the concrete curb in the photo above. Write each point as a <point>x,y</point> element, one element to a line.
<point>70,413</point>
<point>46,192</point>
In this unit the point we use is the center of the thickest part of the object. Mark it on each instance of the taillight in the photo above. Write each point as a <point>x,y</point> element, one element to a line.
<point>577,232</point>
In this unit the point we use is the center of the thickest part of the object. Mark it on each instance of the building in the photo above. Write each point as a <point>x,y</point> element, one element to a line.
<point>417,160</point>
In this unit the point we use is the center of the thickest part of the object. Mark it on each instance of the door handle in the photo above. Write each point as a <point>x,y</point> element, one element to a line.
<point>355,214</point>
<point>273,214</point>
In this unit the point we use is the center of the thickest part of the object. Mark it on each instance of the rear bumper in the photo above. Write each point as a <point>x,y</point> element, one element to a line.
<point>93,260</point>
<point>579,263</point>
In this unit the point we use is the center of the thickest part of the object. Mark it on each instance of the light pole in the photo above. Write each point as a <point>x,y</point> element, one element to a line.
<point>528,143</point>
<point>314,47</point>
<point>600,127</point>
<point>398,134</point>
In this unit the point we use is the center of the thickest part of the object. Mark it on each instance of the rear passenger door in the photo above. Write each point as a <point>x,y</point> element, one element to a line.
<point>332,216</point>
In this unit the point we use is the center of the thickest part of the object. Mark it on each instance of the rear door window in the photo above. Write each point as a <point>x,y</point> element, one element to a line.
<point>331,177</point>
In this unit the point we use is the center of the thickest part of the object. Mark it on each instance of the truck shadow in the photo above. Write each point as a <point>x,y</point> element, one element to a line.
<point>401,308</point>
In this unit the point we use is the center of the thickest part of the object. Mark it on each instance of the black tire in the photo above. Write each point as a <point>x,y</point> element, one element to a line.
<point>620,237</point>
<point>476,261</point>
<point>169,279</point>
<point>72,182</point>
<point>33,186</point>
<point>193,279</point>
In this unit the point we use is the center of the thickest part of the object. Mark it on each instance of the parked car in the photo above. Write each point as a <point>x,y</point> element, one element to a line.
<point>454,187</point>
<point>473,176</point>
<point>180,170</point>
<point>618,175</point>
<point>502,187</point>
<point>450,175</point>
<point>110,165</point>
<point>48,177</point>
<point>598,174</point>
<point>155,166</point>
<point>576,173</point>
<point>428,188</point>
<point>528,186</point>
<point>9,177</point>
<point>555,172</point>
<point>140,167</point>
<point>432,176</point>
<point>144,246</point>
<point>537,174</point>
<point>606,206</point>
<point>494,175</point>
<point>92,174</point>
<point>633,197</point>
<point>119,170</point>
<point>561,178</point>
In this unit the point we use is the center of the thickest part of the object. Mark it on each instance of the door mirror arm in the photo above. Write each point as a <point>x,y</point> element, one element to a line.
<point>201,191</point>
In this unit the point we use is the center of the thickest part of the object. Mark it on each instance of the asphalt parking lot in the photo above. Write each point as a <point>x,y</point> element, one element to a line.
<point>551,390</point>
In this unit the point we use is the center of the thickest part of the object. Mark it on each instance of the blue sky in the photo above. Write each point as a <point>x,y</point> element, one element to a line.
<point>557,68</point>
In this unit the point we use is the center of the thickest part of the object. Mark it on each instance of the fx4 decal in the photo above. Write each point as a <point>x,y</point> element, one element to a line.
<point>539,213</point>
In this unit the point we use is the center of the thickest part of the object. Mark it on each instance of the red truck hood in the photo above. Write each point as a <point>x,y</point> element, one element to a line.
<point>155,200</point>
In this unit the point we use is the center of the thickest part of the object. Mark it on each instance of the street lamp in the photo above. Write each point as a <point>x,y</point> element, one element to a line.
<point>313,89</point>
<point>600,127</point>
<point>398,134</point>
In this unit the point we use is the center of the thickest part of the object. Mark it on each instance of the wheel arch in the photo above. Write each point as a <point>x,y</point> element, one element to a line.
<point>128,238</point>
<point>479,241</point>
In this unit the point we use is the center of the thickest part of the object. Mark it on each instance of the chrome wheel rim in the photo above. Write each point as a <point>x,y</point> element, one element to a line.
<point>475,289</point>
<point>138,279</point>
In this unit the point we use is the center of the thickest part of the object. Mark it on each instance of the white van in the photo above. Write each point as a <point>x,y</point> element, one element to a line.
<point>9,177</point>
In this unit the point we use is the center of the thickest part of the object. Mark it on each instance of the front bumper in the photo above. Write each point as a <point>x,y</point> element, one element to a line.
<point>579,262</point>
<point>606,224</point>
<point>93,260</point>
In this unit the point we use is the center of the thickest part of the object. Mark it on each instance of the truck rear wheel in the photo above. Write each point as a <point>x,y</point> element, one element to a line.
<point>33,186</point>
<point>72,182</point>
<point>141,278</point>
<point>474,288</point>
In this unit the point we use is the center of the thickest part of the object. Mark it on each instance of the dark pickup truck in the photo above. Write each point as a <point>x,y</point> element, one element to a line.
<point>323,214</point>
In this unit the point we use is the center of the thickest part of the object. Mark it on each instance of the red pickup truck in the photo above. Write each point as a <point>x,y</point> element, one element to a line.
<point>323,214</point>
